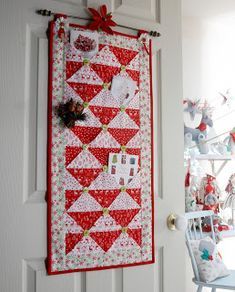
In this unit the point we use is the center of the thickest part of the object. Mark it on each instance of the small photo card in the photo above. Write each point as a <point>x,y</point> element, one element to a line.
<point>123,89</point>
<point>123,166</point>
<point>85,43</point>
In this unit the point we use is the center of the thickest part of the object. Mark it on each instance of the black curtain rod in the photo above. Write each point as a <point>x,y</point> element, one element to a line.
<point>45,12</point>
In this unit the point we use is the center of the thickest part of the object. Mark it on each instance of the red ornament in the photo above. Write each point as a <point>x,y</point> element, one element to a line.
<point>101,21</point>
<point>187,180</point>
<point>202,127</point>
<point>209,189</point>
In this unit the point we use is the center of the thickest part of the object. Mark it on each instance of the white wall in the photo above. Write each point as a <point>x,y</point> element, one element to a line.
<point>209,68</point>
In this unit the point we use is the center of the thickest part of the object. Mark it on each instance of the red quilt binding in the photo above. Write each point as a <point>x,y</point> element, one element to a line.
<point>49,146</point>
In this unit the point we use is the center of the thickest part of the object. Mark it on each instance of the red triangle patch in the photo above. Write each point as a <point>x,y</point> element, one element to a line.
<point>85,219</point>
<point>105,72</point>
<point>123,217</point>
<point>135,75</point>
<point>85,176</point>
<point>101,46</point>
<point>104,197</point>
<point>105,114</point>
<point>124,56</point>
<point>135,194</point>
<point>72,67</point>
<point>134,114</point>
<point>102,154</point>
<point>71,197</point>
<point>71,239</point>
<point>86,134</point>
<point>105,239</point>
<point>122,136</point>
<point>71,152</point>
<point>136,234</point>
<point>86,91</point>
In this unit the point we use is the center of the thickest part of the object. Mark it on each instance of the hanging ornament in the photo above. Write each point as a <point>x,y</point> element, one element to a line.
<point>101,20</point>
<point>192,108</point>
<point>228,97</point>
<point>209,189</point>
<point>61,25</point>
<point>144,40</point>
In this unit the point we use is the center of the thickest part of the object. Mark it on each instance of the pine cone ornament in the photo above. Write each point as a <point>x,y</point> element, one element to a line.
<point>70,112</point>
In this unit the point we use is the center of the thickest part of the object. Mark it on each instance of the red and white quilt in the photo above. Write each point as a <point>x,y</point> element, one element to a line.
<point>96,221</point>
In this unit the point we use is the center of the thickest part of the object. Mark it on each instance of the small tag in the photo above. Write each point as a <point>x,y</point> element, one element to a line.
<point>123,166</point>
<point>85,43</point>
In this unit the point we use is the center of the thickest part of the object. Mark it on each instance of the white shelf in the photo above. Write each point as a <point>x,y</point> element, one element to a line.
<point>214,157</point>
<point>224,234</point>
<point>228,233</point>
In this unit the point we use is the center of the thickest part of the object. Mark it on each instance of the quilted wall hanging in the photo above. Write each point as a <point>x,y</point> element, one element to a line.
<point>100,149</point>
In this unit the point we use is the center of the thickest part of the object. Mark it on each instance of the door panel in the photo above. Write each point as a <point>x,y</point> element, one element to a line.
<point>23,127</point>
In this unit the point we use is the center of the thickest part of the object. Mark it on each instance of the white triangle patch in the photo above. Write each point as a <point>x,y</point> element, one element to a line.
<point>71,225</point>
<point>123,202</point>
<point>90,121</point>
<point>104,139</point>
<point>104,181</point>
<point>134,64</point>
<point>85,160</point>
<point>71,138</point>
<point>86,75</point>
<point>136,221</point>
<point>123,119</point>
<point>135,183</point>
<point>124,242</point>
<point>70,182</point>
<point>86,246</point>
<point>135,102</point>
<point>105,223</point>
<point>68,91</point>
<point>105,57</point>
<point>85,203</point>
<point>104,98</point>
<point>135,142</point>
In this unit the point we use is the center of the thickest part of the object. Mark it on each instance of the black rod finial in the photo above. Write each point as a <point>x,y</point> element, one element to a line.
<point>44,12</point>
<point>154,33</point>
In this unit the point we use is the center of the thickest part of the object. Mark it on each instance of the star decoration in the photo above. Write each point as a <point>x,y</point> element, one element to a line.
<point>228,98</point>
<point>192,108</point>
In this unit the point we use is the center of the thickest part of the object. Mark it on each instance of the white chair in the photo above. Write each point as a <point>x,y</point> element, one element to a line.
<point>192,232</point>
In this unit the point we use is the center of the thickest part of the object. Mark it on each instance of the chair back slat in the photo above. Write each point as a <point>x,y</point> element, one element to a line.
<point>189,229</point>
<point>194,229</point>
<point>194,233</point>
<point>200,227</point>
<point>212,229</point>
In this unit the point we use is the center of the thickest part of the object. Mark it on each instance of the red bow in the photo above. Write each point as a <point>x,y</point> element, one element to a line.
<point>101,21</point>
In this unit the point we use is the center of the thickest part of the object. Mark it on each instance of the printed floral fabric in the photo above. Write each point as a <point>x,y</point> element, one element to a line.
<point>209,261</point>
<point>96,222</point>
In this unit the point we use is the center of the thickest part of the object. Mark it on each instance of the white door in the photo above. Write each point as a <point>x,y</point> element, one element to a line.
<point>23,124</point>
